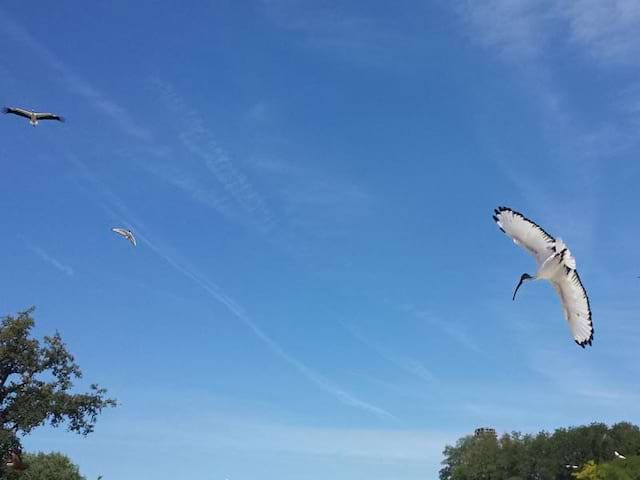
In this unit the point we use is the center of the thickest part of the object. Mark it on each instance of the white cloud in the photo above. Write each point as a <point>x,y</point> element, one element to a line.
<point>606,30</point>
<point>534,34</point>
<point>524,30</point>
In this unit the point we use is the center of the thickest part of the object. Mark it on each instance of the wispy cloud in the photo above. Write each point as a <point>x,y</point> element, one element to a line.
<point>455,331</point>
<point>195,186</point>
<point>530,33</point>
<point>409,365</point>
<point>311,199</point>
<point>579,377</point>
<point>54,262</point>
<point>523,30</point>
<point>201,143</point>
<point>74,82</point>
<point>518,30</point>
<point>216,293</point>
<point>607,30</point>
<point>349,35</point>
<point>212,430</point>
<point>302,199</point>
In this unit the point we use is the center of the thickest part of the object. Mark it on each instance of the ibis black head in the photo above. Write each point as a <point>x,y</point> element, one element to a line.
<point>525,276</point>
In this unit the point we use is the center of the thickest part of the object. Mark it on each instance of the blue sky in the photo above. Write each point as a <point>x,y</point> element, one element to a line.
<point>319,290</point>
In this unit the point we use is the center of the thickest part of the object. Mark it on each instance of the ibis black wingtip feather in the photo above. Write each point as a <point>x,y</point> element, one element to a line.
<point>495,219</point>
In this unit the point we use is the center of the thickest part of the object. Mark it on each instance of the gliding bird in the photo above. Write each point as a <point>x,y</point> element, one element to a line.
<point>126,234</point>
<point>34,117</point>
<point>620,456</point>
<point>555,264</point>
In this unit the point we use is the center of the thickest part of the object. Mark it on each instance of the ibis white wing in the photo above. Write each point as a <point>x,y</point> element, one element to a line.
<point>525,233</point>
<point>49,116</point>
<point>18,111</point>
<point>575,304</point>
<point>120,231</point>
<point>132,239</point>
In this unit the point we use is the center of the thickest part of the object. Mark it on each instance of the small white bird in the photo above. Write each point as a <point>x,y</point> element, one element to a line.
<point>34,117</point>
<point>574,467</point>
<point>620,456</point>
<point>123,232</point>
<point>555,264</point>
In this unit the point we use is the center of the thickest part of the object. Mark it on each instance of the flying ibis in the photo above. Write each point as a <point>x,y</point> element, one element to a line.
<point>556,264</point>
<point>128,234</point>
<point>619,455</point>
<point>34,117</point>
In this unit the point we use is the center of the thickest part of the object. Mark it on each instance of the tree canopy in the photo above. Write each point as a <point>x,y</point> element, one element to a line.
<point>617,469</point>
<point>35,385</point>
<point>47,466</point>
<point>544,455</point>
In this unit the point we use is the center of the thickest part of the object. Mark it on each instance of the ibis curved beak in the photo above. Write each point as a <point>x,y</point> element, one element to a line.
<point>519,284</point>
